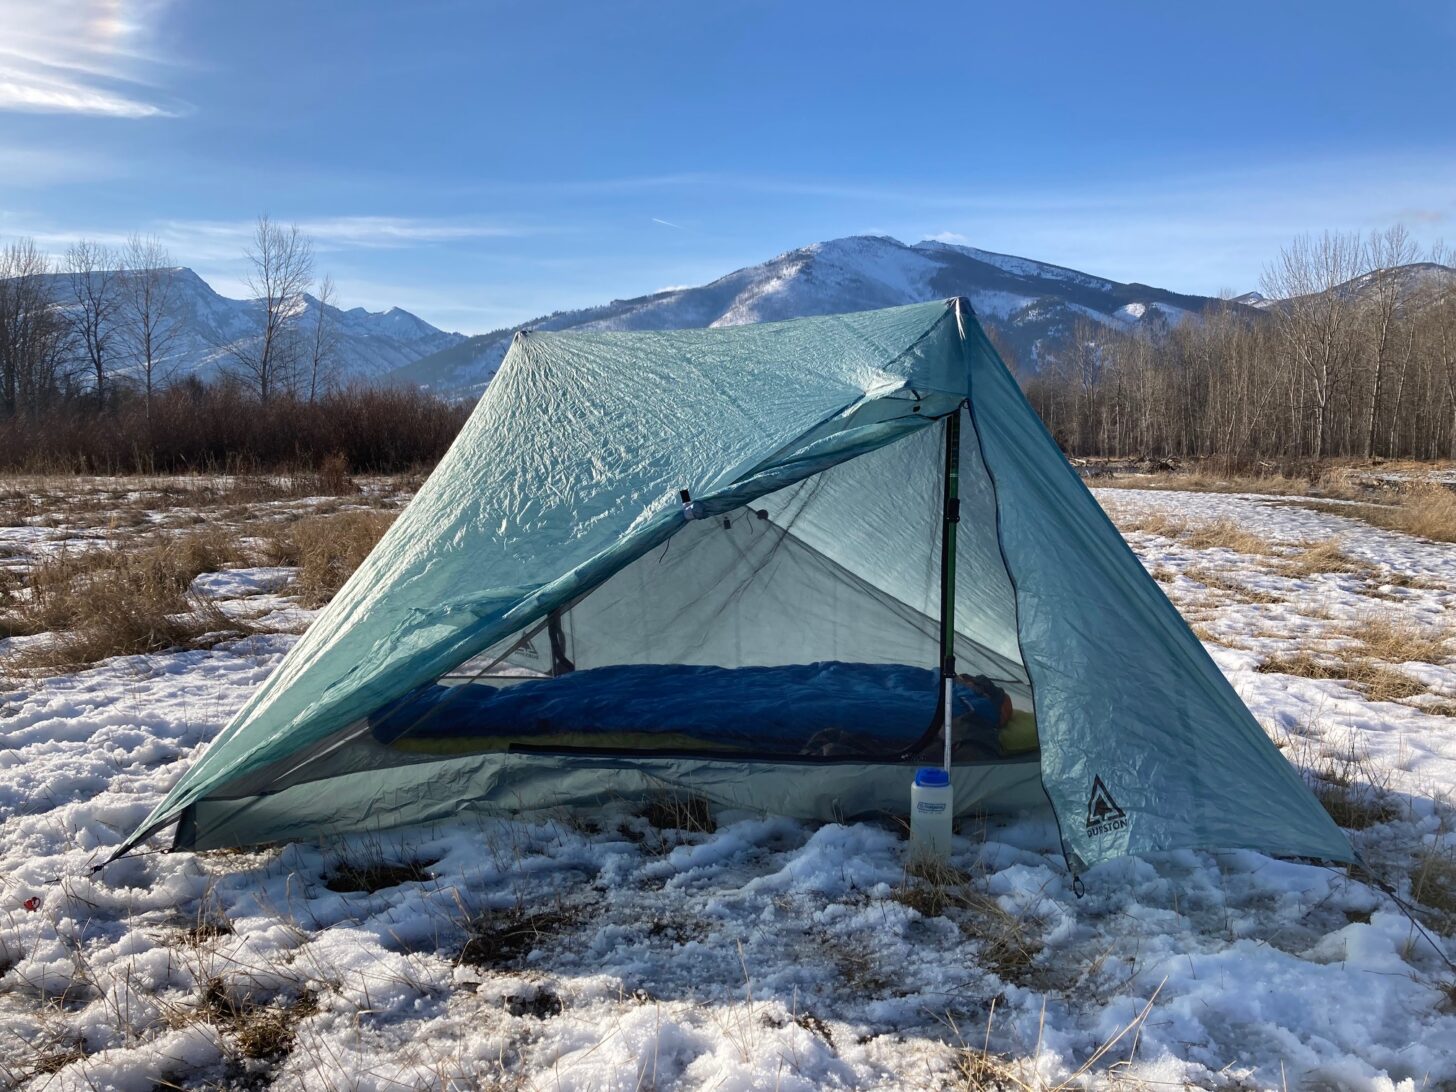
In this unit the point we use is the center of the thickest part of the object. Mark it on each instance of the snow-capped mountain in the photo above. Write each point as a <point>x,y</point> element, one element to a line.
<point>1410,280</point>
<point>367,344</point>
<point>1416,283</point>
<point>1033,306</point>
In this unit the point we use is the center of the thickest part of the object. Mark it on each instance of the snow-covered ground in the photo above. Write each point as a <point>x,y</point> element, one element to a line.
<point>610,952</point>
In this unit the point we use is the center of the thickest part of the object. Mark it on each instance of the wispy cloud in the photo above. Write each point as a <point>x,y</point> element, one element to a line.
<point>87,57</point>
<point>344,232</point>
<point>220,245</point>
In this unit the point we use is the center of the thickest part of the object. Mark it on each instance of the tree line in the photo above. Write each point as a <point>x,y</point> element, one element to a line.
<point>103,323</point>
<point>1352,353</point>
<point>91,376</point>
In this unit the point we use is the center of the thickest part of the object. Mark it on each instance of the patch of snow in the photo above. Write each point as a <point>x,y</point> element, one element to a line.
<point>766,953</point>
<point>236,583</point>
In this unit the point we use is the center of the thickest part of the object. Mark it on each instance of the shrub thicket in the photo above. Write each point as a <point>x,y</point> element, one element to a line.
<point>223,428</point>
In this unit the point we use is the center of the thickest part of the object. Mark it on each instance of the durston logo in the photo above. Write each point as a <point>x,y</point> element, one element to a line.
<point>1103,813</point>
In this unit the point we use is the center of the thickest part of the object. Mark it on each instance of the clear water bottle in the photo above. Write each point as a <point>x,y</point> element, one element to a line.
<point>932,808</point>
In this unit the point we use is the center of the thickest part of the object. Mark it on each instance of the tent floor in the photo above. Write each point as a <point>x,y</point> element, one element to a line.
<point>495,784</point>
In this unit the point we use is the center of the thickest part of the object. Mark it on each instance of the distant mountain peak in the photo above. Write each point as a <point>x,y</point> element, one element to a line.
<point>367,345</point>
<point>1032,306</point>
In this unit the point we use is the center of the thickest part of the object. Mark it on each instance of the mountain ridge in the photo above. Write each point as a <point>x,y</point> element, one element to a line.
<point>368,345</point>
<point>1033,307</point>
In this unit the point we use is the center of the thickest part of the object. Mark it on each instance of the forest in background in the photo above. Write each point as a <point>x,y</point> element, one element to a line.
<point>1350,353</point>
<point>88,383</point>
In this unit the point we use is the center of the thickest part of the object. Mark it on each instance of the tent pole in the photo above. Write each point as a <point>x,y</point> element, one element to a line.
<point>947,573</point>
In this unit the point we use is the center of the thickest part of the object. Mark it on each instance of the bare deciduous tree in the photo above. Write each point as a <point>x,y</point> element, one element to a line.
<point>1385,253</point>
<point>1441,333</point>
<point>34,335</point>
<point>1302,376</point>
<point>148,319</point>
<point>1316,323</point>
<point>322,341</point>
<point>281,267</point>
<point>91,274</point>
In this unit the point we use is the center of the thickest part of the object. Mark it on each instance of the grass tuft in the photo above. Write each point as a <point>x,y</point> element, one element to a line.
<point>376,874</point>
<point>120,599</point>
<point>1230,584</point>
<point>54,1056</point>
<point>1433,884</point>
<point>1352,806</point>
<point>1396,641</point>
<point>501,939</point>
<point>1375,680</point>
<point>260,1032</point>
<point>1222,534</point>
<point>935,890</point>
<point>1225,534</point>
<point>1428,510</point>
<point>1327,556</point>
<point>327,549</point>
<point>678,812</point>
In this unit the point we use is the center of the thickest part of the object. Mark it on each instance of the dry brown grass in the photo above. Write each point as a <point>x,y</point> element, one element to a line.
<point>125,597</point>
<point>64,500</point>
<point>1230,584</point>
<point>1162,524</point>
<point>372,872</point>
<point>326,549</point>
<point>502,939</point>
<point>1228,535</point>
<point>1375,680</point>
<point>1397,641</point>
<point>1008,944</point>
<point>1205,481</point>
<point>1426,510</point>
<point>1351,787</point>
<point>1433,884</point>
<point>1352,807</point>
<point>1199,534</point>
<point>129,592</point>
<point>678,811</point>
<point>1304,665</point>
<point>259,1032</point>
<point>1327,556</point>
<point>1380,683</point>
<point>979,1069</point>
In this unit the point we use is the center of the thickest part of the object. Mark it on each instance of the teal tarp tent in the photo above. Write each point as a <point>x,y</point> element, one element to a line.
<point>710,561</point>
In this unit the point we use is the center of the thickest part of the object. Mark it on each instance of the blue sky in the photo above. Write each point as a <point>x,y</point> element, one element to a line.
<point>483,163</point>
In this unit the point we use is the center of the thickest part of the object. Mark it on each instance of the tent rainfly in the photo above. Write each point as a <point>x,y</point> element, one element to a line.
<point>772,566</point>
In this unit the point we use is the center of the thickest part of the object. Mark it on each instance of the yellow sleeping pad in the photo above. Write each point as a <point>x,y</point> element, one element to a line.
<point>1019,735</point>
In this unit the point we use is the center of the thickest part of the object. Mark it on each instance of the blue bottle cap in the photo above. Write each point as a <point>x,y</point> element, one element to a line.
<point>932,777</point>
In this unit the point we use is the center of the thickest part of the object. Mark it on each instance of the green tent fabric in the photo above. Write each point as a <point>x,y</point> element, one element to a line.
<point>811,454</point>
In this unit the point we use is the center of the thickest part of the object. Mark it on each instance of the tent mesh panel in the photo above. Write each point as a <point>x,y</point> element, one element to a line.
<point>752,634</point>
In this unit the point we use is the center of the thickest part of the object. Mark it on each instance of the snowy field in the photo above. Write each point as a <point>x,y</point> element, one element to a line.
<point>620,951</point>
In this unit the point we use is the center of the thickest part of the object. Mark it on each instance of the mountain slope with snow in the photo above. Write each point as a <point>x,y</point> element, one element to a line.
<point>1033,306</point>
<point>367,344</point>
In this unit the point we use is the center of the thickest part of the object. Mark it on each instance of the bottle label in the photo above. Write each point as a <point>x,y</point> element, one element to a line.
<point>926,807</point>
